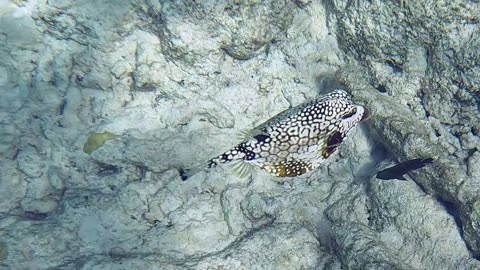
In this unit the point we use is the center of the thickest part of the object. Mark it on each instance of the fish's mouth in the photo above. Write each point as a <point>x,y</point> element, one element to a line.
<point>366,114</point>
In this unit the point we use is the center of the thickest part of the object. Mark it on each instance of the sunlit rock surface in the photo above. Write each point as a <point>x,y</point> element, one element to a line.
<point>175,82</point>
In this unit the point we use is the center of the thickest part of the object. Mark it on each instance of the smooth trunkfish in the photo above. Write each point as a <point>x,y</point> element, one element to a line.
<point>295,141</point>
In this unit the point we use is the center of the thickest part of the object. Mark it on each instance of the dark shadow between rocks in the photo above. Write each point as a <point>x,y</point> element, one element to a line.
<point>451,209</point>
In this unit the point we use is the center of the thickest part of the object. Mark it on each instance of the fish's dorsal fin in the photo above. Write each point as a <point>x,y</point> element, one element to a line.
<point>242,169</point>
<point>247,134</point>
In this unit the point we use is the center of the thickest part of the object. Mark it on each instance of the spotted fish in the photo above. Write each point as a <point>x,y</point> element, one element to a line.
<point>297,140</point>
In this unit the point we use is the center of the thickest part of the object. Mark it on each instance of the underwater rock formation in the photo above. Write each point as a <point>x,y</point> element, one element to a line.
<point>430,104</point>
<point>176,81</point>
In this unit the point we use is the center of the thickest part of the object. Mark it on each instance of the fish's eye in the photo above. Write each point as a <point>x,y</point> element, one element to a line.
<point>350,114</point>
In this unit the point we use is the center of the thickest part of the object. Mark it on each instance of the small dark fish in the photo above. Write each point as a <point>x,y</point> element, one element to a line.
<point>397,171</point>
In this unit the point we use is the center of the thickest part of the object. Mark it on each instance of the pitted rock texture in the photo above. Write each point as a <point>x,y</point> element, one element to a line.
<point>176,81</point>
<point>429,78</point>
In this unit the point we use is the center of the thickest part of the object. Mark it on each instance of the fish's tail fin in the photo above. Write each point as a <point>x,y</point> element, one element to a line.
<point>241,152</point>
<point>212,163</point>
<point>187,173</point>
<point>423,162</point>
<point>427,161</point>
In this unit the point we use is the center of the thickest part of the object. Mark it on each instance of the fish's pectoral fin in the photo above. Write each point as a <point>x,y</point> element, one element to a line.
<point>242,169</point>
<point>288,168</point>
<point>325,150</point>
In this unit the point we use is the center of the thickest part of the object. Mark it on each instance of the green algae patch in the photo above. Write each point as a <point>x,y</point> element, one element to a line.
<point>96,140</point>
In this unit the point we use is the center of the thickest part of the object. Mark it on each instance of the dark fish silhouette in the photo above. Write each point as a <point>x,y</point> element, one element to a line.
<point>397,171</point>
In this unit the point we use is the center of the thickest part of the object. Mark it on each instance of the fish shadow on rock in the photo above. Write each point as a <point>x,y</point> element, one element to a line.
<point>378,154</point>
